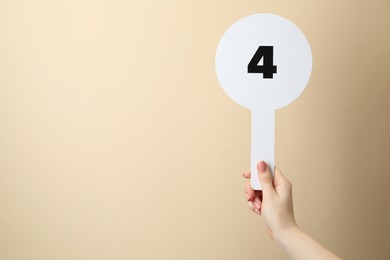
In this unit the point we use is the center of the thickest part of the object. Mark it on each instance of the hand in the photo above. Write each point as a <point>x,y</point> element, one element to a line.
<point>274,203</point>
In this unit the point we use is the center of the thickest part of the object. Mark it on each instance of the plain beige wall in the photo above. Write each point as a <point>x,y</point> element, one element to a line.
<point>117,142</point>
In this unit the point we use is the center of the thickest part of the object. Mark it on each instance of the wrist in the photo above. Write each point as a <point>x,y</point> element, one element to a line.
<point>285,235</point>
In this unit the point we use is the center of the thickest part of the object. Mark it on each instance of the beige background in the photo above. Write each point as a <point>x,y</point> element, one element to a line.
<point>117,142</point>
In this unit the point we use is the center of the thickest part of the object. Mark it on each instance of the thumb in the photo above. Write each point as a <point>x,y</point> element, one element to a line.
<point>265,178</point>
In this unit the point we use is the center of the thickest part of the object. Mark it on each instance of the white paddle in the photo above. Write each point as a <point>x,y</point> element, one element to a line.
<point>263,62</point>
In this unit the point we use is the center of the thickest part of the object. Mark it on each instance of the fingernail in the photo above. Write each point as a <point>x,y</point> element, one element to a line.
<point>247,196</point>
<point>262,166</point>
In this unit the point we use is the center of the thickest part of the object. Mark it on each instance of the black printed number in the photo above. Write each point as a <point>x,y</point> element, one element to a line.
<point>268,69</point>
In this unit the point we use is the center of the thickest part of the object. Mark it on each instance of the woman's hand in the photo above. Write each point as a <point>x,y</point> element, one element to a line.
<point>274,203</point>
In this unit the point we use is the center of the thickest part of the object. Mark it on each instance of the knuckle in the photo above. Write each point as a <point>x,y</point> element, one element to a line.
<point>266,177</point>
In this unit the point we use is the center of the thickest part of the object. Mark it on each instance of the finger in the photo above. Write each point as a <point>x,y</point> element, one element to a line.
<point>247,174</point>
<point>257,204</point>
<point>253,208</point>
<point>265,178</point>
<point>249,192</point>
<point>259,193</point>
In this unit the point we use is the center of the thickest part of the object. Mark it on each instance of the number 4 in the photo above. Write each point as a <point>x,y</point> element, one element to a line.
<point>268,69</point>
